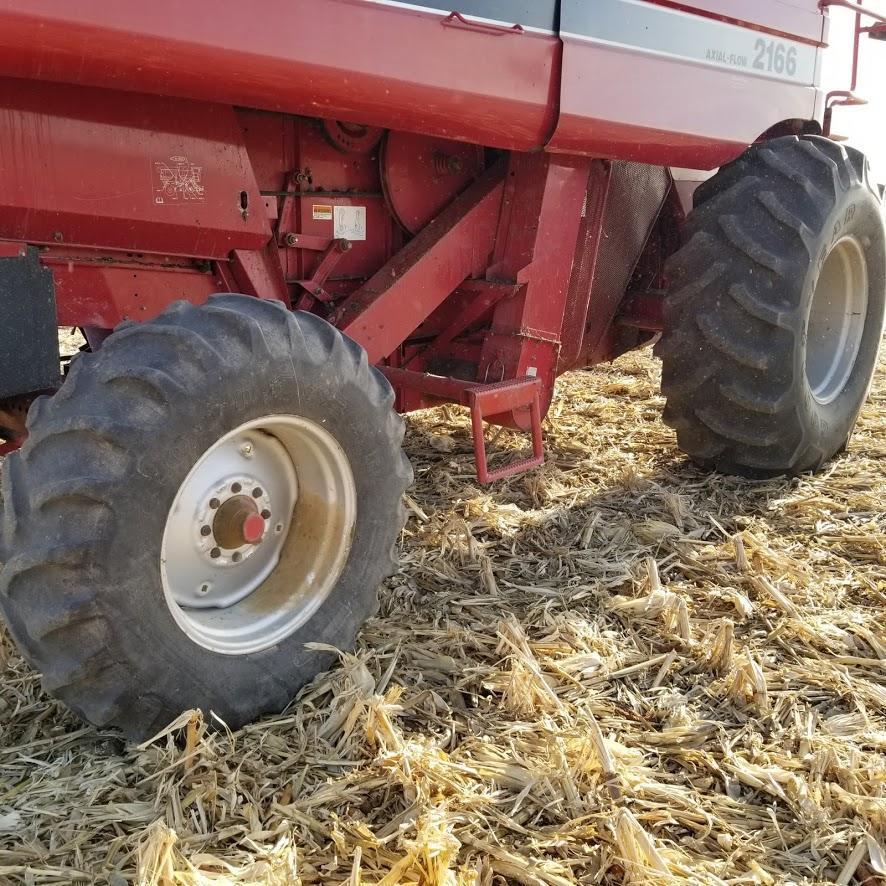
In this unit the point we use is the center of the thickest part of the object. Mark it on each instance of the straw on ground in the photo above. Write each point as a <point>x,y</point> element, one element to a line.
<point>613,670</point>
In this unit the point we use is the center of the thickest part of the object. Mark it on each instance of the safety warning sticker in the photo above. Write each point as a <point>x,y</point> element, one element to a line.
<point>322,212</point>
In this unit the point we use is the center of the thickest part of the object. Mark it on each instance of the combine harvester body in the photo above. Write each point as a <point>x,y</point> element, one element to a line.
<point>481,199</point>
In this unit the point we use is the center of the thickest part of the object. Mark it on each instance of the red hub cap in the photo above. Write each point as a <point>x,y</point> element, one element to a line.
<point>237,522</point>
<point>253,529</point>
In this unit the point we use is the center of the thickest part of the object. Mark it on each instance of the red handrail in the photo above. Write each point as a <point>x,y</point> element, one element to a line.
<point>859,11</point>
<point>855,7</point>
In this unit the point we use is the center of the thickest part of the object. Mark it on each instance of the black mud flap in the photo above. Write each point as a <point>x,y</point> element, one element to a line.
<point>29,357</point>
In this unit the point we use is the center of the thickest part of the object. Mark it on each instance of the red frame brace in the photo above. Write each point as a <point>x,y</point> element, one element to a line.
<point>541,211</point>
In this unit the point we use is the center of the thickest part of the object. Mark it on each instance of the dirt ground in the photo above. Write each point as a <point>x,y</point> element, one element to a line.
<point>615,669</point>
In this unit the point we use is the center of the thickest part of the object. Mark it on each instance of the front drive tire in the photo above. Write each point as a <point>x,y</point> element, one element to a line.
<point>774,313</point>
<point>106,487</point>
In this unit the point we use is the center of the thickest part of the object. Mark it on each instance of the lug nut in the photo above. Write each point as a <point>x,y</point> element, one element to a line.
<point>236,556</point>
<point>266,514</point>
<point>256,493</point>
<point>214,503</point>
<point>205,530</point>
<point>247,449</point>
<point>236,487</point>
<point>215,552</point>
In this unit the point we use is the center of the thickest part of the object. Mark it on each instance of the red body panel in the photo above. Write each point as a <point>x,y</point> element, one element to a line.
<point>660,123</point>
<point>399,67</point>
<point>92,167</point>
<point>683,84</point>
<point>103,293</point>
<point>537,232</point>
<point>344,59</point>
<point>799,19</point>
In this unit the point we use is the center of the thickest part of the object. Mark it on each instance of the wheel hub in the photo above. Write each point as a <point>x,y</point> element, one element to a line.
<point>218,549</point>
<point>275,492</point>
<point>237,523</point>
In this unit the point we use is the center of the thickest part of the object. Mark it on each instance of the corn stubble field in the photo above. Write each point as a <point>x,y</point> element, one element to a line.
<point>615,669</point>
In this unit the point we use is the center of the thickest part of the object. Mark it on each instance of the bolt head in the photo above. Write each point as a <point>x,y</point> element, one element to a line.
<point>246,449</point>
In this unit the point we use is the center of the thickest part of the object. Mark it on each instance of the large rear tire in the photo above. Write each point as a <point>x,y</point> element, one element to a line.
<point>207,494</point>
<point>775,309</point>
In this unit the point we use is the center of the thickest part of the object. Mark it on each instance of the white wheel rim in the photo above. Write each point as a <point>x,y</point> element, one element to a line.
<point>836,320</point>
<point>286,479</point>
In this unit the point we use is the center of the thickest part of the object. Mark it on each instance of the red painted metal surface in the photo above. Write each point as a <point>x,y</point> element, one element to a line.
<point>100,289</point>
<point>506,398</point>
<point>472,300</point>
<point>253,528</point>
<point>304,177</point>
<point>538,227</point>
<point>444,167</point>
<point>456,245</point>
<point>857,7</point>
<point>345,59</point>
<point>88,167</point>
<point>457,20</point>
<point>795,19</point>
<point>259,273</point>
<point>590,232</point>
<point>847,97</point>
<point>415,70</point>
<point>643,310</point>
<point>11,249</point>
<point>331,256</point>
<point>653,124</point>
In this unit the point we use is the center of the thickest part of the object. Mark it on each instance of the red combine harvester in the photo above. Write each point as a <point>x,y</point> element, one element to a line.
<point>280,228</point>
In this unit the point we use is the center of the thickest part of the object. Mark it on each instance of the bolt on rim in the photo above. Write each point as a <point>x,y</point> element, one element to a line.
<point>836,319</point>
<point>258,534</point>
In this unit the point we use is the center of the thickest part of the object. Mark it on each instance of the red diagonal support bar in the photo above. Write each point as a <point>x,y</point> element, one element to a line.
<point>455,245</point>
